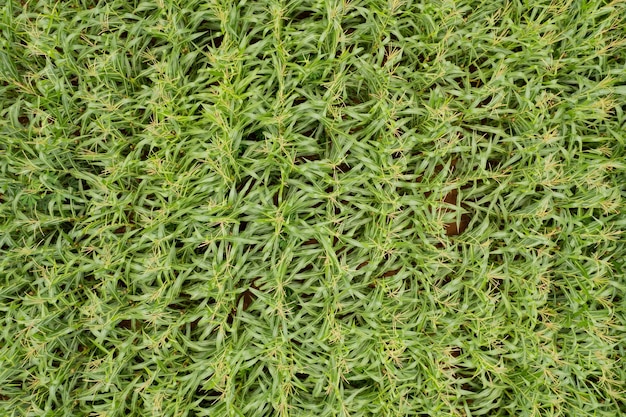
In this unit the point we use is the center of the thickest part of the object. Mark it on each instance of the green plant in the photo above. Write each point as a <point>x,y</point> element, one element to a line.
<point>312,207</point>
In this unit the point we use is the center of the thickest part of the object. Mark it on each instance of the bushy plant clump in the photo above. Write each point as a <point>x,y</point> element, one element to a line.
<point>312,208</point>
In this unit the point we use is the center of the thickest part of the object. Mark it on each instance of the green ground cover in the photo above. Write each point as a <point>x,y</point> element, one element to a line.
<point>312,208</point>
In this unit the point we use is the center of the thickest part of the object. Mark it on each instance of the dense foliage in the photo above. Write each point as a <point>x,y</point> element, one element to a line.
<point>312,208</point>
